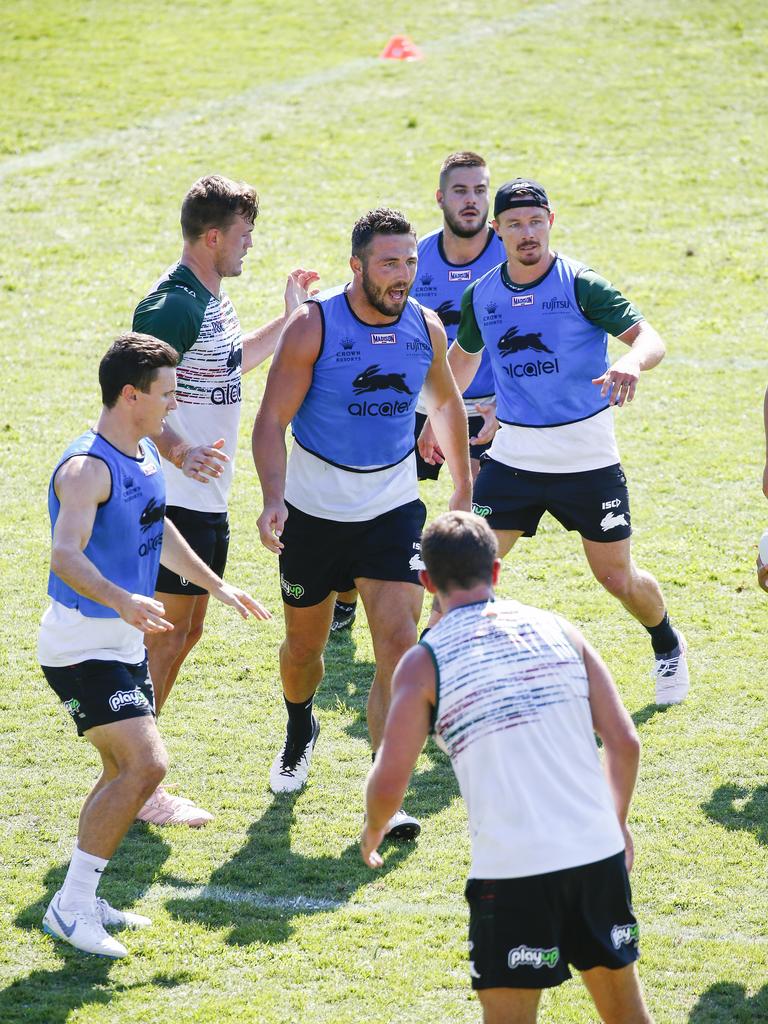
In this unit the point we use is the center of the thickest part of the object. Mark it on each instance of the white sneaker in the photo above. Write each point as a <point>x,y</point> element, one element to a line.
<point>291,766</point>
<point>402,826</point>
<point>671,674</point>
<point>82,929</point>
<point>113,918</point>
<point>163,808</point>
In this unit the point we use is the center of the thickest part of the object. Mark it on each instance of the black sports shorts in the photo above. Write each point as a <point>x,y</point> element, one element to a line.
<point>595,502</point>
<point>323,555</point>
<point>423,469</point>
<point>523,932</point>
<point>102,692</point>
<point>207,533</point>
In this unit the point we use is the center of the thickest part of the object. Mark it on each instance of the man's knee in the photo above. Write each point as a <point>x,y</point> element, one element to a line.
<point>392,646</point>
<point>300,649</point>
<point>617,580</point>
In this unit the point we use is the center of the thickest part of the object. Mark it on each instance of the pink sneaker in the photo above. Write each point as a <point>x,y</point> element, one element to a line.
<point>164,809</point>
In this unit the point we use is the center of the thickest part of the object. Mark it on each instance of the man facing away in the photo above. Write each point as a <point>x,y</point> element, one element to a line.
<point>544,320</point>
<point>106,502</point>
<point>188,309</point>
<point>450,258</point>
<point>514,695</point>
<point>346,510</point>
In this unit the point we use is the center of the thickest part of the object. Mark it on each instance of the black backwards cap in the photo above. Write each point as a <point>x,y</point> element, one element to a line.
<point>520,192</point>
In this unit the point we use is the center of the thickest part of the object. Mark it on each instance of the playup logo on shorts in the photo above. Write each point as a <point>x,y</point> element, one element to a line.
<point>481,510</point>
<point>294,590</point>
<point>611,519</point>
<point>73,707</point>
<point>124,698</point>
<point>525,956</point>
<point>624,935</point>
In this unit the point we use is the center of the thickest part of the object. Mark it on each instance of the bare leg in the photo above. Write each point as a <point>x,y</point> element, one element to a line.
<point>509,1005</point>
<point>301,653</point>
<point>393,610</point>
<point>167,651</point>
<point>637,590</point>
<point>348,596</point>
<point>617,995</point>
<point>135,762</point>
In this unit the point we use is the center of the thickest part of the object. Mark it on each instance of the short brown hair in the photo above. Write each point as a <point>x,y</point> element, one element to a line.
<point>214,202</point>
<point>133,359</point>
<point>381,221</point>
<point>464,158</point>
<point>459,550</point>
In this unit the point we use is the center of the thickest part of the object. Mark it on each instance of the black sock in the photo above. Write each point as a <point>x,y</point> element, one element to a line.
<point>299,721</point>
<point>424,632</point>
<point>663,637</point>
<point>347,606</point>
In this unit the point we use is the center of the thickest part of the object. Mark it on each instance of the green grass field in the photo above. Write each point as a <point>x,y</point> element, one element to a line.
<point>646,122</point>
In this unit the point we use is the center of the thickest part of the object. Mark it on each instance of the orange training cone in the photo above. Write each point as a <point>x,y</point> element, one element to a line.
<point>401,48</point>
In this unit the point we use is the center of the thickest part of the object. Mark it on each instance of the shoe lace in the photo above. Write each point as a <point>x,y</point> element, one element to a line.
<point>666,667</point>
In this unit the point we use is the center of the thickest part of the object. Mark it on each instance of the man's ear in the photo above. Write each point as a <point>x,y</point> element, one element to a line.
<point>426,581</point>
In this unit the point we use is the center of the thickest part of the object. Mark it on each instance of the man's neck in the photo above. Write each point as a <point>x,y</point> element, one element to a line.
<point>121,434</point>
<point>202,270</point>
<point>463,250</point>
<point>459,598</point>
<point>521,274</point>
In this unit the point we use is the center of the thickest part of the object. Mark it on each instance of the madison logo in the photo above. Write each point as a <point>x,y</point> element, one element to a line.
<point>525,956</point>
<point>383,339</point>
<point>459,275</point>
<point>511,342</point>
<point>448,314</point>
<point>372,379</point>
<point>523,300</point>
<point>153,513</point>
<point>235,357</point>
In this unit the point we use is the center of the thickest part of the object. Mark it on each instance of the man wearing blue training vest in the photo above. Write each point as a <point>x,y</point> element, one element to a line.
<point>346,510</point>
<point>106,502</point>
<point>544,320</point>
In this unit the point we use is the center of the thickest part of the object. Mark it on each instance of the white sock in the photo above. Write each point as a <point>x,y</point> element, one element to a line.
<point>83,877</point>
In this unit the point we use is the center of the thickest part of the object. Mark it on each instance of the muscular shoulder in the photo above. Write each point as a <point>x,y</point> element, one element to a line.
<point>82,480</point>
<point>603,304</point>
<point>174,310</point>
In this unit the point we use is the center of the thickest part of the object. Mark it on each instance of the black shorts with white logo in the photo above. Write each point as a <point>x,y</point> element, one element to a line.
<point>595,502</point>
<point>102,692</point>
<point>207,533</point>
<point>423,469</point>
<point>320,556</point>
<point>523,932</point>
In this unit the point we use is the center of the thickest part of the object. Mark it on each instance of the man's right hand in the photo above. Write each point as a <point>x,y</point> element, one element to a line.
<point>144,613</point>
<point>429,449</point>
<point>270,524</point>
<point>205,461</point>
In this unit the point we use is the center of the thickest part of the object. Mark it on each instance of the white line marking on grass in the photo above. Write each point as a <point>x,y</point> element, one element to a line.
<point>125,138</point>
<point>398,908</point>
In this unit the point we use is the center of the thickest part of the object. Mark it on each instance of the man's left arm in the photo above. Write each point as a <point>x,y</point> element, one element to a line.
<point>448,415</point>
<point>261,343</point>
<point>604,305</point>
<point>405,732</point>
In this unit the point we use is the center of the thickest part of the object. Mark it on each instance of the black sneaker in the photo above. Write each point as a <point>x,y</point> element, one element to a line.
<point>343,616</point>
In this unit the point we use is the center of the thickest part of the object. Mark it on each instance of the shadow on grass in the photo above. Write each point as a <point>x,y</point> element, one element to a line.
<point>261,892</point>
<point>726,1002</point>
<point>50,997</point>
<point>647,713</point>
<point>751,814</point>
